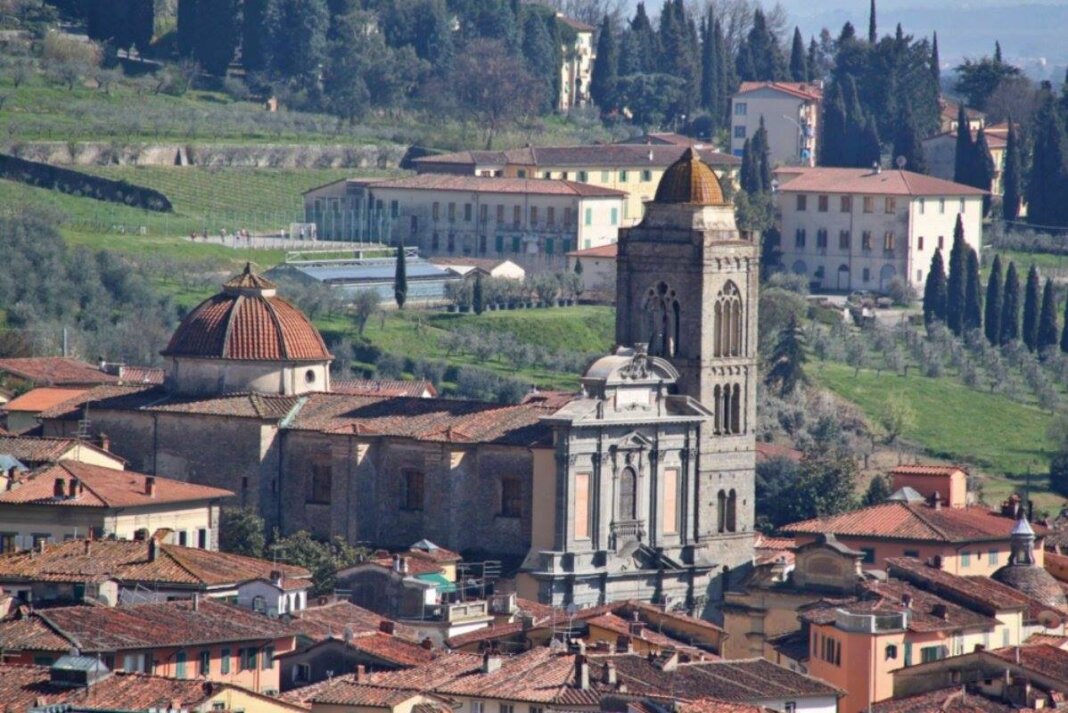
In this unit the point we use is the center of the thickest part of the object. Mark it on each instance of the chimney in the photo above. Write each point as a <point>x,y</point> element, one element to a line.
<point>150,486</point>
<point>361,673</point>
<point>582,672</point>
<point>427,644</point>
<point>610,673</point>
<point>74,485</point>
<point>59,488</point>
<point>491,662</point>
<point>937,500</point>
<point>153,549</point>
<point>526,620</point>
<point>276,577</point>
<point>104,441</point>
<point>387,627</point>
<point>876,168</point>
<point>196,601</point>
<point>88,547</point>
<point>906,600</point>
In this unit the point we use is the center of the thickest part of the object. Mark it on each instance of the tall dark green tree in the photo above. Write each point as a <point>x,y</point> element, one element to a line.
<point>216,26</point>
<point>710,70</point>
<point>187,26</point>
<point>253,38</point>
<point>1012,178</point>
<point>1064,332</point>
<point>759,56</point>
<point>1047,186</point>
<point>934,291</point>
<point>540,55</point>
<point>907,142</point>
<point>799,70</point>
<point>870,152</point>
<point>1010,307</point>
<point>400,277</point>
<point>1030,309</point>
<point>992,308</point>
<point>297,39</point>
<point>964,153</point>
<point>982,173</point>
<point>1047,319</point>
<point>936,65</point>
<point>973,293</point>
<point>788,359</point>
<point>832,144</point>
<point>605,67</point>
<point>478,298</point>
<point>873,34</point>
<point>956,281</point>
<point>639,50</point>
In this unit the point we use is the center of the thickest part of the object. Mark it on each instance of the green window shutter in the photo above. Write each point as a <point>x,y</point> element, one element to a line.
<point>499,240</point>
<point>516,244</point>
<point>548,246</point>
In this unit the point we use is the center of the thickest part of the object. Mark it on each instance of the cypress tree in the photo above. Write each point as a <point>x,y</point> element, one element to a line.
<point>1012,177</point>
<point>709,78</point>
<point>833,129</point>
<point>1064,333</point>
<point>216,25</point>
<point>788,359</point>
<point>798,59</point>
<point>973,293</point>
<point>477,298</point>
<point>812,60</point>
<point>907,141</point>
<point>605,68</point>
<point>873,35</point>
<point>750,175</point>
<point>956,282</point>
<point>1047,319</point>
<point>997,52</point>
<point>871,148</point>
<point>1030,309</point>
<point>400,277</point>
<point>1047,187</point>
<point>253,38</point>
<point>992,312</point>
<point>936,66</point>
<point>934,291</point>
<point>187,29</point>
<point>983,172</point>
<point>760,157</point>
<point>725,77</point>
<point>539,53</point>
<point>1010,307</point>
<point>963,161</point>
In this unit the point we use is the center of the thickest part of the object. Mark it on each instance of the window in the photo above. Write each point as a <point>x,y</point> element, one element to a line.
<point>831,651</point>
<point>302,673</point>
<point>248,658</point>
<point>582,506</point>
<point>452,212</point>
<point>908,652</point>
<point>511,496</point>
<point>941,241</point>
<point>802,202</point>
<point>739,132</point>
<point>478,707</point>
<point>588,218</point>
<point>919,276</point>
<point>537,709</point>
<point>865,240</point>
<point>799,238</point>
<point>961,206</point>
<point>965,559</point>
<point>647,176</point>
<point>322,476</point>
<point>435,241</point>
<point>521,173</point>
<point>498,243</point>
<point>183,539</point>
<point>7,542</point>
<point>891,652</point>
<point>992,557</point>
<point>912,553</point>
<point>550,215</point>
<point>869,555</point>
<point>919,243</point>
<point>517,245</point>
<point>259,604</point>
<point>866,274</point>
<point>224,661</point>
<point>500,213</point>
<point>394,209</point>
<point>413,481</point>
<point>941,205</point>
<point>727,411</point>
<point>790,707</point>
<point>483,213</point>
<point>414,224</point>
<point>821,238</point>
<point>482,244</point>
<point>506,708</point>
<point>727,322</point>
<point>869,204</point>
<point>268,657</point>
<point>846,204</point>
<point>202,538</point>
<point>740,108</point>
<point>204,667</point>
<point>435,210</point>
<point>567,215</point>
<point>583,177</point>
<point>623,176</point>
<point>931,653</point>
<point>843,240</point>
<point>822,204</point>
<point>628,494</point>
<point>604,176</point>
<point>533,215</point>
<point>890,204</point>
<point>888,242</point>
<point>547,175</point>
<point>549,246</point>
<point>179,664</point>
<point>517,216</point>
<point>923,205</point>
<point>615,216</point>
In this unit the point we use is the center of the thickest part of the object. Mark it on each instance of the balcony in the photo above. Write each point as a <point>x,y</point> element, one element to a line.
<point>871,623</point>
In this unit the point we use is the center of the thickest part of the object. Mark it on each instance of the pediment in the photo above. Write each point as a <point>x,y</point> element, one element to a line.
<point>633,441</point>
<point>637,556</point>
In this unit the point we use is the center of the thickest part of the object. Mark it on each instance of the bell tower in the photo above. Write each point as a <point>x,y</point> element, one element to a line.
<point>686,286</point>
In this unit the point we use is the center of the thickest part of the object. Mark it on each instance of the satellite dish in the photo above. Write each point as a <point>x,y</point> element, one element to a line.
<point>900,162</point>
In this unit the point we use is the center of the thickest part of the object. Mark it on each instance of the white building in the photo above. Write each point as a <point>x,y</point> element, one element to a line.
<point>859,229</point>
<point>533,222</point>
<point>791,114</point>
<point>598,271</point>
<point>576,70</point>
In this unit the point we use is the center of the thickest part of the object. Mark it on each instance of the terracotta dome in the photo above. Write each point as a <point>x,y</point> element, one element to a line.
<point>247,321</point>
<point>1023,574</point>
<point>690,181</point>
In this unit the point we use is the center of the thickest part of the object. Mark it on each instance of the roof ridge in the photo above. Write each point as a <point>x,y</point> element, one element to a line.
<point>65,466</point>
<point>231,314</point>
<point>283,348</point>
<point>55,627</point>
<point>166,549</point>
<point>923,518</point>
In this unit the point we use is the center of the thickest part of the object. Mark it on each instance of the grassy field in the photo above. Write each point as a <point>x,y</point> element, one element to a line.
<point>1001,438</point>
<point>416,335</point>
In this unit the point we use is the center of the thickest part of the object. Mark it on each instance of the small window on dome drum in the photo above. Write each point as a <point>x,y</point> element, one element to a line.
<point>309,376</point>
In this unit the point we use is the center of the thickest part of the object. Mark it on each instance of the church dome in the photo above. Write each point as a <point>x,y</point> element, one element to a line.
<point>1024,575</point>
<point>247,321</point>
<point>690,181</point>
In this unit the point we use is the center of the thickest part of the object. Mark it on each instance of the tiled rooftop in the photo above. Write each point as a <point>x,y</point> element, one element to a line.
<point>491,185</point>
<point>144,626</point>
<point>42,398</point>
<point>605,251</point>
<point>330,620</point>
<point>55,371</point>
<point>801,90</point>
<point>943,700</point>
<point>130,561</point>
<point>901,521</point>
<point>1047,661</point>
<point>864,181</point>
<point>103,488</point>
<point>382,387</point>
<point>34,450</point>
<point>607,156</point>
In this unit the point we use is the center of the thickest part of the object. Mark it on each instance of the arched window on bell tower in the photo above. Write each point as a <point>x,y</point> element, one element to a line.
<point>628,494</point>
<point>727,319</point>
<point>661,316</point>
<point>721,511</point>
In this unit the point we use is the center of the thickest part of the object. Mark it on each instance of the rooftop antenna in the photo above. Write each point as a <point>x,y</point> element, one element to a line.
<point>82,433</point>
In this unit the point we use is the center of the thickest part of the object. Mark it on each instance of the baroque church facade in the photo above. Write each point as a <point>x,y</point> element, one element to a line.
<point>640,486</point>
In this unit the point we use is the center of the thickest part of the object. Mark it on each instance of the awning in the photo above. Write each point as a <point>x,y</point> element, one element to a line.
<point>439,580</point>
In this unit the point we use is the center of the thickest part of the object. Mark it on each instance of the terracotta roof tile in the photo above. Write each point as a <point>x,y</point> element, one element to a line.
<point>391,648</point>
<point>42,399</point>
<point>104,488</point>
<point>33,450</point>
<point>55,371</point>
<point>382,387</point>
<point>145,626</point>
<point>920,469</point>
<point>484,184</point>
<point>155,398</point>
<point>606,251</point>
<point>142,375</point>
<point>801,90</point>
<point>711,705</point>
<point>944,700</point>
<point>864,181</point>
<point>1049,661</point>
<point>129,561</point>
<point>902,521</point>
<point>587,156</point>
<point>331,620</point>
<point>615,623</point>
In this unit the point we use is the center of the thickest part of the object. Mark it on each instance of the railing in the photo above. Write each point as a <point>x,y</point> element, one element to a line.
<point>871,623</point>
